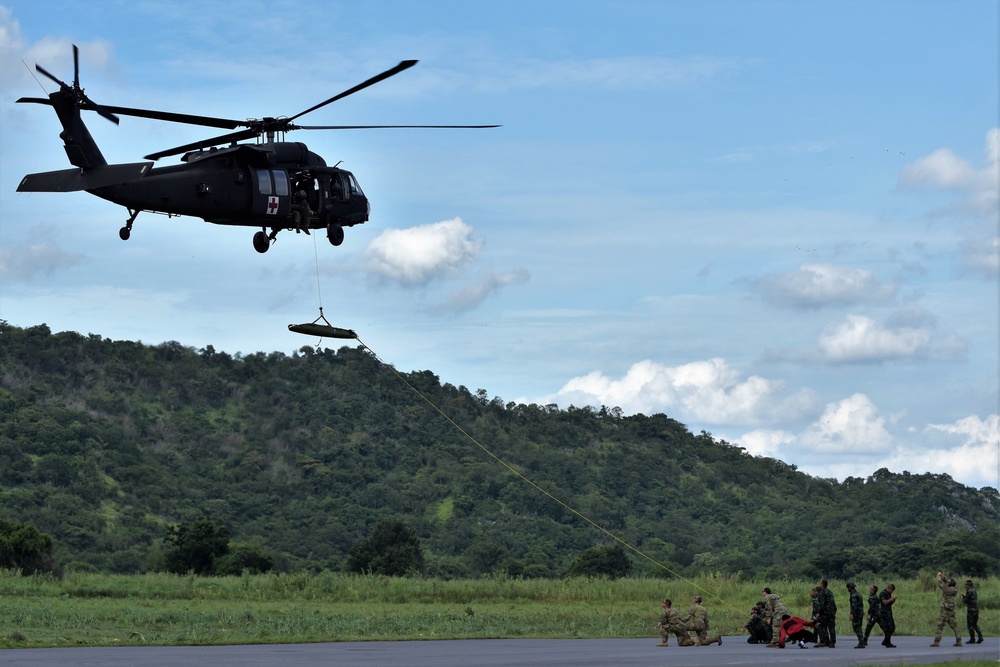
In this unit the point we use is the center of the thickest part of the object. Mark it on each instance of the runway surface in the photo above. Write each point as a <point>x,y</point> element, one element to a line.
<point>502,653</point>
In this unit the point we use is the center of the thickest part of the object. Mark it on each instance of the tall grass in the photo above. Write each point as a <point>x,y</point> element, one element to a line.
<point>95,609</point>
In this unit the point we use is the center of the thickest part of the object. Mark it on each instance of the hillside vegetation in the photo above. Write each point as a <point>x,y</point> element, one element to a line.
<point>106,444</point>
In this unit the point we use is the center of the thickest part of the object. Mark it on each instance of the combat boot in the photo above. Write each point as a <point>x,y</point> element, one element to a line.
<point>663,644</point>
<point>697,641</point>
<point>958,641</point>
<point>937,642</point>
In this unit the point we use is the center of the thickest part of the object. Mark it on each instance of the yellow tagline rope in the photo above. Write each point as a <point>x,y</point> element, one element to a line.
<point>547,494</point>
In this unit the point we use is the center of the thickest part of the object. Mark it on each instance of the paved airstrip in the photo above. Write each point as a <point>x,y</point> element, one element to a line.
<point>501,653</point>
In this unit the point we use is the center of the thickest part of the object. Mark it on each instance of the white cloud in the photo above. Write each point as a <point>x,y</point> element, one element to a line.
<point>418,255</point>
<point>982,256</point>
<point>705,391</point>
<point>765,442</point>
<point>817,285</point>
<point>472,295</point>
<point>906,335</point>
<point>977,456</point>
<point>944,170</point>
<point>29,260</point>
<point>852,425</point>
<point>55,55</point>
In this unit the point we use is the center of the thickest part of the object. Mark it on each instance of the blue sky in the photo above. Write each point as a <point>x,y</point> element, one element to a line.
<point>775,221</point>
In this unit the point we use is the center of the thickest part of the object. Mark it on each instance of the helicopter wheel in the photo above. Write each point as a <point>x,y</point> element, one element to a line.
<point>335,233</point>
<point>124,233</point>
<point>260,242</point>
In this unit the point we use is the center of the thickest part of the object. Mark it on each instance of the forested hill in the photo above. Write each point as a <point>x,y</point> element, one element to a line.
<point>105,444</point>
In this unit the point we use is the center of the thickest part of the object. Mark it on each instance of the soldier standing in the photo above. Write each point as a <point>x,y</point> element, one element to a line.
<point>817,615</point>
<point>972,612</point>
<point>697,620</point>
<point>774,609</point>
<point>828,616</point>
<point>671,622</point>
<point>885,620</point>
<point>874,611</point>
<point>857,606</point>
<point>946,615</point>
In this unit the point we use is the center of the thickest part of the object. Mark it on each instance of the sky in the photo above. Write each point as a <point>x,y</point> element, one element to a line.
<point>774,221</point>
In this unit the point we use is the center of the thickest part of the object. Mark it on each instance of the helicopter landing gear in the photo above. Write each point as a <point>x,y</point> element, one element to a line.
<point>335,234</point>
<point>260,242</point>
<point>125,232</point>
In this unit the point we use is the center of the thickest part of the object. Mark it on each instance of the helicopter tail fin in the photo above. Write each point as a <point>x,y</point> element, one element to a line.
<point>70,180</point>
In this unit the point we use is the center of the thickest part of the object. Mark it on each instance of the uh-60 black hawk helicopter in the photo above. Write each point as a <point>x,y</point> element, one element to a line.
<point>270,184</point>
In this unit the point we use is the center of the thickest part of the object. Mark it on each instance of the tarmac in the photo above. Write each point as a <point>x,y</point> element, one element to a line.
<point>734,651</point>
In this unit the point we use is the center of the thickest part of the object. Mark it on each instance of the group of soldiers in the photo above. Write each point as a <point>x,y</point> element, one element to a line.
<point>770,621</point>
<point>696,620</point>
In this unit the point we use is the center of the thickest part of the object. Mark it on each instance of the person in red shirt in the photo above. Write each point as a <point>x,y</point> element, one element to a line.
<point>794,628</point>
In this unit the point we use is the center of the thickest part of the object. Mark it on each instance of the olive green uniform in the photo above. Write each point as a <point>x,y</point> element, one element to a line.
<point>972,614</point>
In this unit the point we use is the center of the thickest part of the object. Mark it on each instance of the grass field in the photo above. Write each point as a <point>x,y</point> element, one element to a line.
<point>157,609</point>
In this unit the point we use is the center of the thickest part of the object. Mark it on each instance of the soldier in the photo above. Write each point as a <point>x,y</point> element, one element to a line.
<point>946,615</point>
<point>827,616</point>
<point>671,622</point>
<point>972,612</point>
<point>874,611</point>
<point>887,598</point>
<point>758,625</point>
<point>697,620</point>
<point>774,609</point>
<point>817,613</point>
<point>857,606</point>
<point>301,213</point>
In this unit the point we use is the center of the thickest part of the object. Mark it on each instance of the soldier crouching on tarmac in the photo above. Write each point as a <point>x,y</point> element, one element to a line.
<point>697,620</point>
<point>671,622</point>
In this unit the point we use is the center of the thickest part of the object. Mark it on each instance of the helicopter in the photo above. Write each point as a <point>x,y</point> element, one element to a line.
<point>272,184</point>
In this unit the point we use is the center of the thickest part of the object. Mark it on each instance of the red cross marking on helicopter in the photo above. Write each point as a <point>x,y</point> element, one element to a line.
<point>272,205</point>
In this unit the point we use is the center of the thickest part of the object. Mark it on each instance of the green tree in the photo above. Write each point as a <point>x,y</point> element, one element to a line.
<point>610,562</point>
<point>392,549</point>
<point>24,548</point>
<point>194,546</point>
<point>243,558</point>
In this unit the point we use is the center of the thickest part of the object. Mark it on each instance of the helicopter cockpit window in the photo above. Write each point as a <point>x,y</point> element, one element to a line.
<point>280,183</point>
<point>264,181</point>
<point>353,185</point>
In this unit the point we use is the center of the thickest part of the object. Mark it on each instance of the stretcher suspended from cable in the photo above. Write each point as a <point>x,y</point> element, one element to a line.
<point>323,330</point>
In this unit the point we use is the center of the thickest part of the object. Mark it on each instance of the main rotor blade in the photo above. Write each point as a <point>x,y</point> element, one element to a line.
<point>44,71</point>
<point>87,104</point>
<point>383,127</point>
<point>190,119</point>
<point>205,143</point>
<point>76,67</point>
<point>406,64</point>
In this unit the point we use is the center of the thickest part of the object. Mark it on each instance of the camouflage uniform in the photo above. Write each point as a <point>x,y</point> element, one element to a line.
<point>886,599</point>
<point>697,620</point>
<point>817,613</point>
<point>857,606</point>
<point>774,609</point>
<point>874,611</point>
<point>671,622</point>
<point>972,612</point>
<point>946,615</point>
<point>827,616</point>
